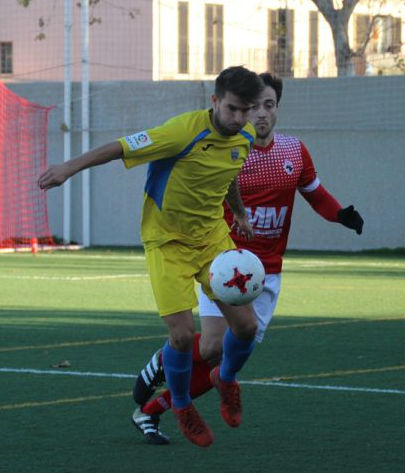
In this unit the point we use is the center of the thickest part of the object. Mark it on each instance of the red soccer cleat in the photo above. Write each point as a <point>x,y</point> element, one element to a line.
<point>229,392</point>
<point>193,427</point>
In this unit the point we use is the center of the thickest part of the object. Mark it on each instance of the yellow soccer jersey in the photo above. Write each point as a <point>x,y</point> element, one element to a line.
<point>190,169</point>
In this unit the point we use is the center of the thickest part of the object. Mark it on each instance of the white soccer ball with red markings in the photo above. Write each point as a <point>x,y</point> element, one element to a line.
<point>236,277</point>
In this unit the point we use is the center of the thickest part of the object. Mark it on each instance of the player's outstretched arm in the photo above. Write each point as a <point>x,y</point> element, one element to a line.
<point>241,221</point>
<point>350,218</point>
<point>56,175</point>
<point>329,208</point>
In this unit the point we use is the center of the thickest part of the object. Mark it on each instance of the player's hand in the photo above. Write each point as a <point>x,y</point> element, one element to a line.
<point>242,226</point>
<point>350,218</point>
<point>54,176</point>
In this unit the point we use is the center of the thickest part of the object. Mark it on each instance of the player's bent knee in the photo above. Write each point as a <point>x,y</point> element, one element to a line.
<point>181,330</point>
<point>242,322</point>
<point>182,340</point>
<point>246,331</point>
<point>211,351</point>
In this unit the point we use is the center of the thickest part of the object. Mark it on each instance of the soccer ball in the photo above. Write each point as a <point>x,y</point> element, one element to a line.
<point>236,277</point>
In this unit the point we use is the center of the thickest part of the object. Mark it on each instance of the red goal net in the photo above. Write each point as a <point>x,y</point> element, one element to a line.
<point>23,139</point>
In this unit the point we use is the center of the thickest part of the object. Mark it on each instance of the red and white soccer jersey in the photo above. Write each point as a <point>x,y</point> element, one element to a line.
<point>268,181</point>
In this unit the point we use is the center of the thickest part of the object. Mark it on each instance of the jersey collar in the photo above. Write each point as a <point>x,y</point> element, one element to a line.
<point>265,148</point>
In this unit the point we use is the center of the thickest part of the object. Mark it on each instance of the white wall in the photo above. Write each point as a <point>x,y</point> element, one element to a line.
<point>353,127</point>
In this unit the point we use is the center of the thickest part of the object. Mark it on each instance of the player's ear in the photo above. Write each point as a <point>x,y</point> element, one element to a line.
<point>214,99</point>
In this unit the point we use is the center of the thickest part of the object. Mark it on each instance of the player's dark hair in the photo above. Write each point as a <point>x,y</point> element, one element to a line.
<point>274,82</point>
<point>241,82</point>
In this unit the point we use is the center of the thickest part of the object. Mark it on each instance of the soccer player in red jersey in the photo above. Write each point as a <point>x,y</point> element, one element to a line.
<point>276,168</point>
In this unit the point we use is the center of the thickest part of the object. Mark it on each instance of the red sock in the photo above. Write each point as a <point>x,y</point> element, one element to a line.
<point>158,405</point>
<point>196,348</point>
<point>200,383</point>
<point>200,379</point>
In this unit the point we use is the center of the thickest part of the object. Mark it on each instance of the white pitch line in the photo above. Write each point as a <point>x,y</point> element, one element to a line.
<point>82,256</point>
<point>327,387</point>
<point>68,373</point>
<point>251,382</point>
<point>75,278</point>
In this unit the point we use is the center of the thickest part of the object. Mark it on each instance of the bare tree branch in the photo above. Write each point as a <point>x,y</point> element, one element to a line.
<point>325,7</point>
<point>338,19</point>
<point>349,5</point>
<point>361,50</point>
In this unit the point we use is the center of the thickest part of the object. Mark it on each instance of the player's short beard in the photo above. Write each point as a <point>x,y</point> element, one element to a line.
<point>223,130</point>
<point>264,136</point>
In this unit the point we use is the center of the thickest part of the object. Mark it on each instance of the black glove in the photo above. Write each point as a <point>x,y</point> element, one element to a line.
<point>350,218</point>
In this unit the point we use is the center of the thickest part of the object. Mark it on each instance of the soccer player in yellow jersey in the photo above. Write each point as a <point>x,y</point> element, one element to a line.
<point>194,159</point>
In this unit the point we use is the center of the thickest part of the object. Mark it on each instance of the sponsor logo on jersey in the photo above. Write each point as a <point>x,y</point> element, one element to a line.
<point>234,154</point>
<point>288,167</point>
<point>138,140</point>
<point>267,221</point>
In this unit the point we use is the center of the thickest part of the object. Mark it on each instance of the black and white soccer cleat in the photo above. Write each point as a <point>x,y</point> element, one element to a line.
<point>149,427</point>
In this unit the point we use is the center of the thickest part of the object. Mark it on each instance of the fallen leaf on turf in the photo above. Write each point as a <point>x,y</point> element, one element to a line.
<point>62,364</point>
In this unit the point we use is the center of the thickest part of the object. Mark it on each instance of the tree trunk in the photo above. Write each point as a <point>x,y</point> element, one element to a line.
<point>344,60</point>
<point>338,20</point>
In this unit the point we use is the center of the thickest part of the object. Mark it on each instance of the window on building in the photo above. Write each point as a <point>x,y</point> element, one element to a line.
<point>214,41</point>
<point>313,44</point>
<point>362,29</point>
<point>396,35</point>
<point>183,56</point>
<point>6,62</point>
<point>280,41</point>
<point>385,35</point>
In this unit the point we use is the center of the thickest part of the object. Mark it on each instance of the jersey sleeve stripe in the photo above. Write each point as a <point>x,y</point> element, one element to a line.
<point>247,135</point>
<point>310,187</point>
<point>190,146</point>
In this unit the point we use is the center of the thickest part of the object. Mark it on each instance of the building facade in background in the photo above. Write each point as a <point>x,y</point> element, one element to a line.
<point>195,39</point>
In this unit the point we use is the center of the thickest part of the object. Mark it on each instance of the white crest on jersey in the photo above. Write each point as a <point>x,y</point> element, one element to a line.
<point>138,140</point>
<point>288,167</point>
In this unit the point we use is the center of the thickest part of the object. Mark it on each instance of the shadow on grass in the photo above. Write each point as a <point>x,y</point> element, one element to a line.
<point>39,326</point>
